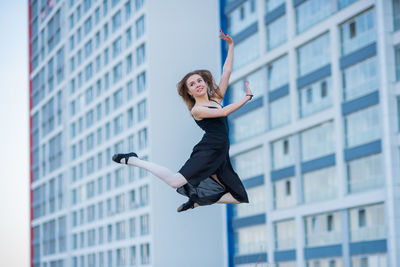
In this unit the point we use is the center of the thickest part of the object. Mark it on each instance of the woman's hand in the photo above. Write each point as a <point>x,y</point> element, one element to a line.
<point>248,90</point>
<point>226,38</point>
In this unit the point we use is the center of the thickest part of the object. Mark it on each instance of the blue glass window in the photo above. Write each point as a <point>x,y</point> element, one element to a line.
<point>279,112</point>
<point>365,173</point>
<point>360,79</point>
<point>276,33</point>
<point>248,125</point>
<point>278,74</point>
<point>282,153</point>
<point>249,164</point>
<point>242,17</point>
<point>313,55</point>
<point>246,51</point>
<point>318,141</point>
<point>362,126</point>
<point>311,12</point>
<point>315,97</point>
<point>320,185</point>
<point>358,32</point>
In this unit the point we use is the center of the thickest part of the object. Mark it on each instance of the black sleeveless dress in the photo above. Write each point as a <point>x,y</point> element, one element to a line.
<point>211,156</point>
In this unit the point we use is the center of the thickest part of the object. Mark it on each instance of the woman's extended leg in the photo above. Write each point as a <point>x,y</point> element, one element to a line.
<point>173,179</point>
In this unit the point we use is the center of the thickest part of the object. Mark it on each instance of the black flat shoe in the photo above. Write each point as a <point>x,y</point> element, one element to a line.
<point>186,206</point>
<point>117,157</point>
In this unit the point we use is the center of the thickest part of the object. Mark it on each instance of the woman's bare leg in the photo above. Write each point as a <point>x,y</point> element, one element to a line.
<point>175,180</point>
<point>227,198</point>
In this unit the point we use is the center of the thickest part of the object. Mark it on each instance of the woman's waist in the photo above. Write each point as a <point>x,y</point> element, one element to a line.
<point>217,133</point>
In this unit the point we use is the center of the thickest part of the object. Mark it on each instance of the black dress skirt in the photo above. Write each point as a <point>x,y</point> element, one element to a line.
<point>211,156</point>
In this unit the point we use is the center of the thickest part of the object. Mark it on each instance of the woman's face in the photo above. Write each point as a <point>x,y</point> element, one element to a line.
<point>196,85</point>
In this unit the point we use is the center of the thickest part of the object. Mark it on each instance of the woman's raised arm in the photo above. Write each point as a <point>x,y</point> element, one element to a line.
<point>227,68</point>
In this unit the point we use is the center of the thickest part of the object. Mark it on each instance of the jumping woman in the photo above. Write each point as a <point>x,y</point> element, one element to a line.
<point>207,177</point>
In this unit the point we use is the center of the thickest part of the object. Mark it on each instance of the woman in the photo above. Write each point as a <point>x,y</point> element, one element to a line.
<point>207,177</point>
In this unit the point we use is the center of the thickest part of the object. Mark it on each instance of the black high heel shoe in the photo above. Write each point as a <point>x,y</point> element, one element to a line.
<point>186,206</point>
<point>117,157</point>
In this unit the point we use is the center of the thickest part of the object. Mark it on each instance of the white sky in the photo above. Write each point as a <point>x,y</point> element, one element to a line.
<point>14,138</point>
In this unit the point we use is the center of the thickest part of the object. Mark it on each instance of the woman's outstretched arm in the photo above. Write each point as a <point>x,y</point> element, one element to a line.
<point>200,112</point>
<point>227,68</point>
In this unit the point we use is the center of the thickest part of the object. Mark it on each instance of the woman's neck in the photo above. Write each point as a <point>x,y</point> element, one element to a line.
<point>203,100</point>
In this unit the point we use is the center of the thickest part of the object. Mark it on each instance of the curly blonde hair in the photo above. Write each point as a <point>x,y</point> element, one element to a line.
<point>208,79</point>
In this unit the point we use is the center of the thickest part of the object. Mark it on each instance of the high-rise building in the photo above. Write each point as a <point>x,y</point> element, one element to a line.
<point>318,146</point>
<point>103,77</point>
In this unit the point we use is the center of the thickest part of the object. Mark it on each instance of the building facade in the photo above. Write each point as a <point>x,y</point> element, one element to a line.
<point>103,77</point>
<point>318,146</point>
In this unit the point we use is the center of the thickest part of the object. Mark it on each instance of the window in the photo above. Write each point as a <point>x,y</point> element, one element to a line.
<point>323,229</point>
<point>140,27</point>
<point>88,49</point>
<point>277,73</point>
<point>282,153</point>
<point>248,125</point>
<point>329,223</point>
<point>116,21</point>
<point>88,25</point>
<point>317,142</point>
<point>132,252</point>
<point>140,55</point>
<point>139,4</point>
<point>142,139</point>
<point>279,116</point>
<point>249,164</point>
<point>315,97</point>
<point>117,73</point>
<point>105,32</point>
<point>105,7</point>
<point>285,235</point>
<point>118,124</point>
<point>144,195</point>
<point>345,3</point>
<point>250,240</point>
<point>128,37</point>
<point>320,185</point>
<point>313,55</point>
<point>145,253</point>
<point>118,99</point>
<point>141,82</point>
<point>132,227</point>
<point>365,173</point>
<point>276,33</point>
<point>128,10</point>
<point>246,51</point>
<point>360,79</point>
<point>129,90</point>
<point>129,64</point>
<point>258,83</point>
<point>142,110</point>
<point>271,5</point>
<point>284,193</point>
<point>362,126</point>
<point>311,12</point>
<point>241,17</point>
<point>117,47</point>
<point>120,228</point>
<point>358,32</point>
<point>396,15</point>
<point>257,197</point>
<point>144,224</point>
